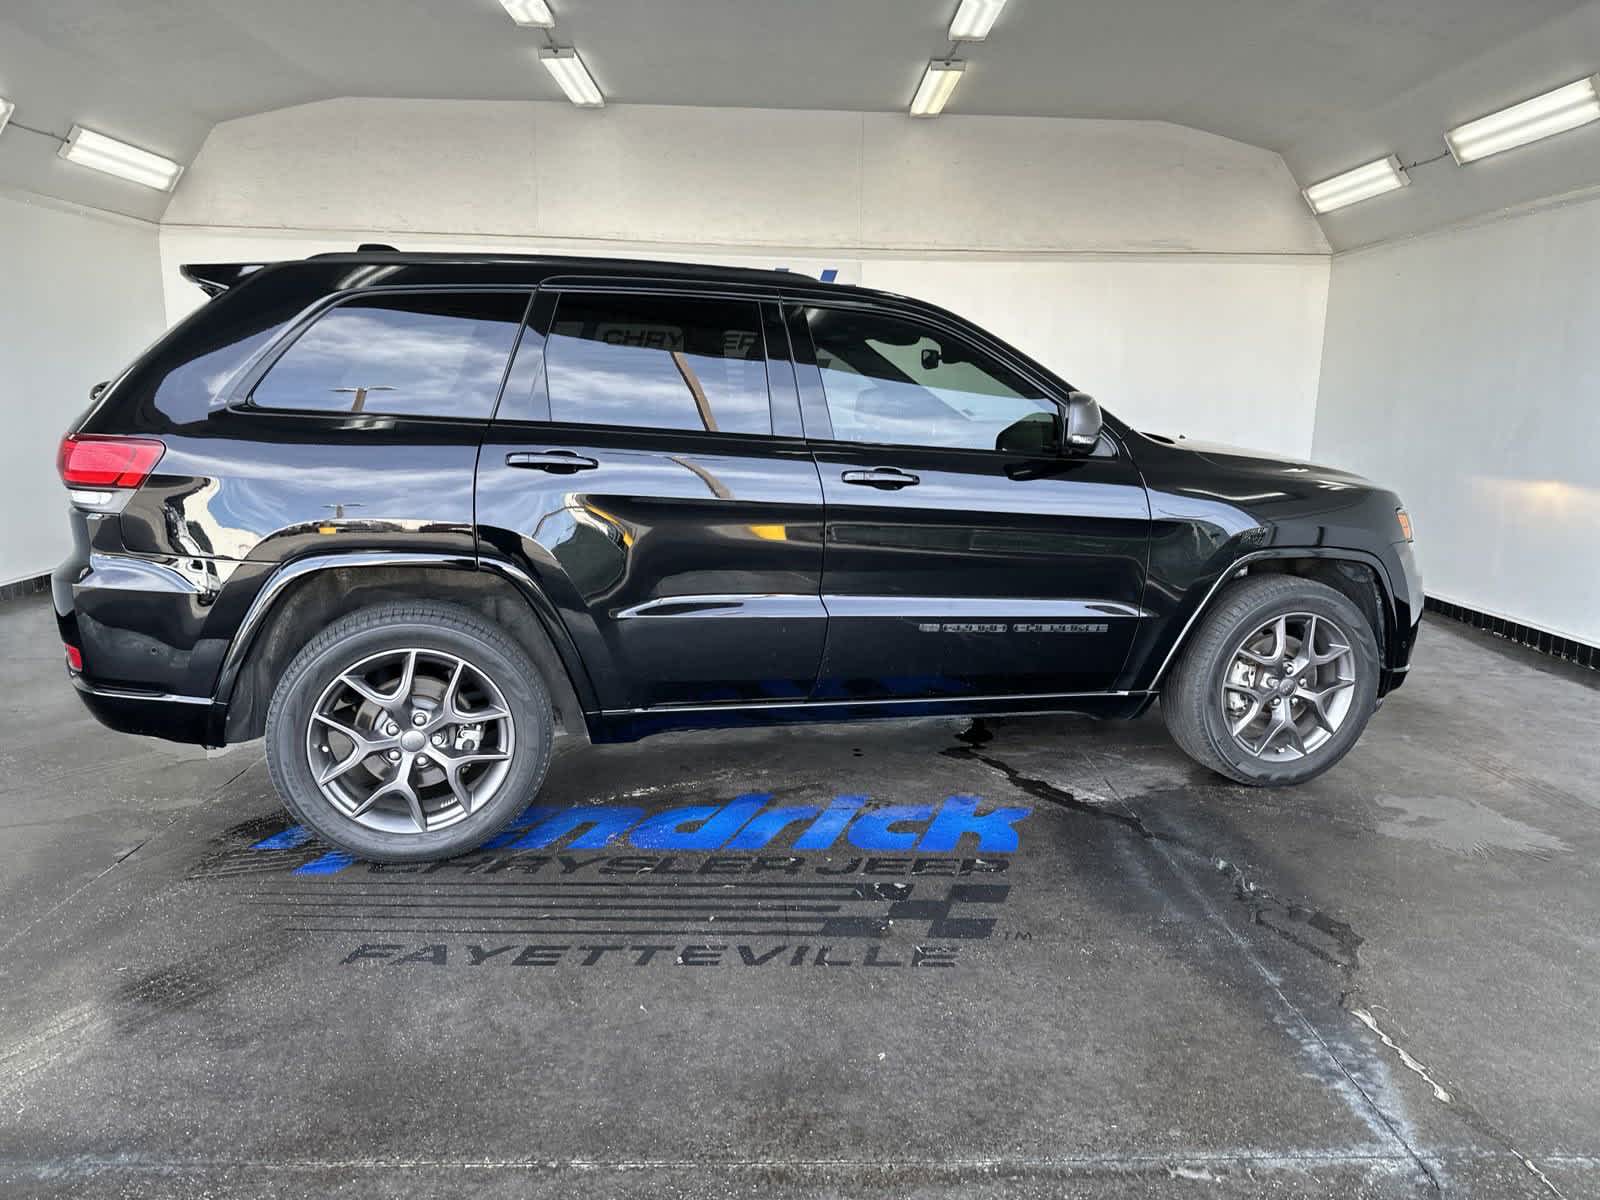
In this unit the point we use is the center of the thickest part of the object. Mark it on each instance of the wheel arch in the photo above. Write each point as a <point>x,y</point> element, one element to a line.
<point>304,596</point>
<point>1357,575</point>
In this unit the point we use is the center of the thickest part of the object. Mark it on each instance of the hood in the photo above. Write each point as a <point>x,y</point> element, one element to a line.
<point>1242,461</point>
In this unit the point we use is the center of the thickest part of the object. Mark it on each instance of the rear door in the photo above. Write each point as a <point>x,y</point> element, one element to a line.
<point>646,464</point>
<point>965,555</point>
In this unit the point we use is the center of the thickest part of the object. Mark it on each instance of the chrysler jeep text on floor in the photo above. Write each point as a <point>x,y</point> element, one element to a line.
<point>406,515</point>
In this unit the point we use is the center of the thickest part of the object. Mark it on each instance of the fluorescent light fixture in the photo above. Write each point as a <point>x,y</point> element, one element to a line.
<point>563,62</point>
<point>535,13</point>
<point>938,82</point>
<point>974,19</point>
<point>6,109</point>
<point>101,153</point>
<point>1362,183</point>
<point>1554,112</point>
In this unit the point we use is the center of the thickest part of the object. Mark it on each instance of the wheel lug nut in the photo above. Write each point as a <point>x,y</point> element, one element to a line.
<point>391,729</point>
<point>422,760</point>
<point>419,718</point>
<point>394,756</point>
<point>438,739</point>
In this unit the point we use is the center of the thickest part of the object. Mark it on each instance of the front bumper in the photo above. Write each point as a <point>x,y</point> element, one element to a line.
<point>1405,582</point>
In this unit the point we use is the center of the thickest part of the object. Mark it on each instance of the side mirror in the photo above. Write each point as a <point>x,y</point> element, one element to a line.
<point>1035,435</point>
<point>1083,423</point>
<point>98,390</point>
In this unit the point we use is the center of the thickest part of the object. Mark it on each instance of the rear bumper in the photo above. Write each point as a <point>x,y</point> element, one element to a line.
<point>148,714</point>
<point>140,626</point>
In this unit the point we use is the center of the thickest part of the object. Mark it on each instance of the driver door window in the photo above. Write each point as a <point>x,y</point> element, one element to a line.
<point>895,382</point>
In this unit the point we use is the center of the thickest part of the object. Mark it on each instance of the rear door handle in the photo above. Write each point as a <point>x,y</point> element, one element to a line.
<point>557,462</point>
<point>888,479</point>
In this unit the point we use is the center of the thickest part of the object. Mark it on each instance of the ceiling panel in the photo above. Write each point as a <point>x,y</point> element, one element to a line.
<point>1321,81</point>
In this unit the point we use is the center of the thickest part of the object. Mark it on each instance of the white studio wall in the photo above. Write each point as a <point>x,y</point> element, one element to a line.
<point>1174,273</point>
<point>82,297</point>
<point>745,177</point>
<point>1464,366</point>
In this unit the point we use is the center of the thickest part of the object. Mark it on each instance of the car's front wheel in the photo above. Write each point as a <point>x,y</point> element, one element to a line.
<point>409,731</point>
<point>1276,683</point>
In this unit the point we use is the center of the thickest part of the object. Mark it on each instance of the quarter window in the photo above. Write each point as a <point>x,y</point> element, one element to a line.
<point>658,362</point>
<point>895,382</point>
<point>424,354</point>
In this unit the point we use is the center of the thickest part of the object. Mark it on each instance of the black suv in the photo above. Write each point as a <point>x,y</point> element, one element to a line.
<point>407,514</point>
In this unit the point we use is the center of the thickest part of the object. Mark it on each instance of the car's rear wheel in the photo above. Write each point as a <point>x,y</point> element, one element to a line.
<point>409,731</point>
<point>1276,683</point>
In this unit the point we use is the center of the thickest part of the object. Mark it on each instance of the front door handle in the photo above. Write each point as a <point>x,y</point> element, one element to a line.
<point>557,462</point>
<point>887,479</point>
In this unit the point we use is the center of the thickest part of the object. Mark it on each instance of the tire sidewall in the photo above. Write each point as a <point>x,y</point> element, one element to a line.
<point>1350,620</point>
<point>319,664</point>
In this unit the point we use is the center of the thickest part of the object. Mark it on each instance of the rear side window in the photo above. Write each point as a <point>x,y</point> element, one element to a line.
<point>427,354</point>
<point>658,362</point>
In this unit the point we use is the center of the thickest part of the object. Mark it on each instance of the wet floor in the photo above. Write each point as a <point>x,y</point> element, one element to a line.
<point>1026,957</point>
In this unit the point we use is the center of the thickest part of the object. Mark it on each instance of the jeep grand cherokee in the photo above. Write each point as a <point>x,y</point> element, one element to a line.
<point>407,514</point>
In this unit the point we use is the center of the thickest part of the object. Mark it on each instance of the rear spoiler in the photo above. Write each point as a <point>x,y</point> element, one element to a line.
<point>216,278</point>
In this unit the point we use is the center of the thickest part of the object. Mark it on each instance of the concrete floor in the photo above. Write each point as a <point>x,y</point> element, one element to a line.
<point>1384,983</point>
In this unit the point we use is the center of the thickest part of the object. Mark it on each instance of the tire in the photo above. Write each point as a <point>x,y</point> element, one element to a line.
<point>1194,702</point>
<point>498,769</point>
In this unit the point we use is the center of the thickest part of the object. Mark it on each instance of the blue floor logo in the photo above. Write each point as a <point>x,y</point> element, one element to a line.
<point>747,882</point>
<point>747,823</point>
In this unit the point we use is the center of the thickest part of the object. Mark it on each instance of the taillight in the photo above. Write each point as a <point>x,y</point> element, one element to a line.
<point>89,460</point>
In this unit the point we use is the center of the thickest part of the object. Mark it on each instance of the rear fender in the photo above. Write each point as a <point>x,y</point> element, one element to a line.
<point>283,615</point>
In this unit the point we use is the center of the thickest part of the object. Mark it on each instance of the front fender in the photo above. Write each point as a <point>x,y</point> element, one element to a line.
<point>1214,513</point>
<point>1172,633</point>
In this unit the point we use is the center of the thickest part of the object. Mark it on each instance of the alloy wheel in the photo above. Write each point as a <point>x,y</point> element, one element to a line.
<point>1289,686</point>
<point>410,740</point>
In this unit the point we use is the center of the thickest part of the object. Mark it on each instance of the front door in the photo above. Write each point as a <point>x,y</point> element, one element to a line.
<point>965,555</point>
<point>646,466</point>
